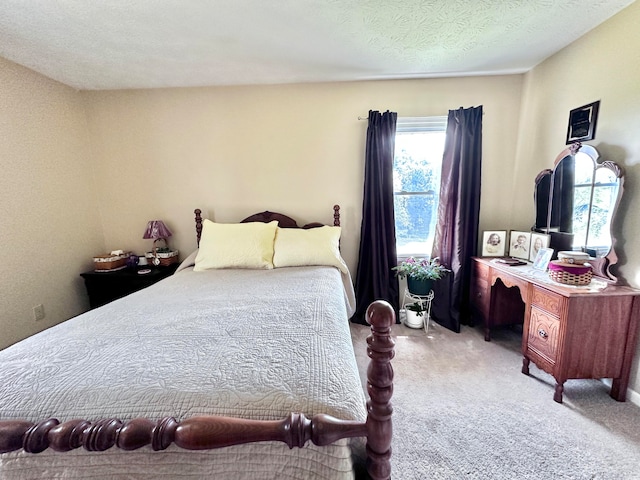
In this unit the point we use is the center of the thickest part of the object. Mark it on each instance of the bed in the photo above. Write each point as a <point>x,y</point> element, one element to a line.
<point>223,370</point>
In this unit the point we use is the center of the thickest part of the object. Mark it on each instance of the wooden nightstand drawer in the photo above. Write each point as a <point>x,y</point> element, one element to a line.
<point>543,334</point>
<point>104,287</point>
<point>546,300</point>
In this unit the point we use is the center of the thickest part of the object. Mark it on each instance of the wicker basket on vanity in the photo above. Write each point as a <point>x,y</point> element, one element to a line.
<point>570,273</point>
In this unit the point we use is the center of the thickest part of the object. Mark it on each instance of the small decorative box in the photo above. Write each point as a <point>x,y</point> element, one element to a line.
<point>573,257</point>
<point>570,274</point>
<point>111,261</point>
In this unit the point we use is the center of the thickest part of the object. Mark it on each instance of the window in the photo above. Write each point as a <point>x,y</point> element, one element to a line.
<point>416,182</point>
<point>591,198</point>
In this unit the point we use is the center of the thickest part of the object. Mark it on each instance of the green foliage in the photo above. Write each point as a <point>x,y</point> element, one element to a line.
<point>417,307</point>
<point>414,212</point>
<point>421,269</point>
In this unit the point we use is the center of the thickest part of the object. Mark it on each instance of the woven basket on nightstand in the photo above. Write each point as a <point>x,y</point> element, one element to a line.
<point>165,258</point>
<point>110,261</point>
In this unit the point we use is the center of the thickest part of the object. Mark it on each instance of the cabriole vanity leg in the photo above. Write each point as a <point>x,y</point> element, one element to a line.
<point>557,396</point>
<point>525,365</point>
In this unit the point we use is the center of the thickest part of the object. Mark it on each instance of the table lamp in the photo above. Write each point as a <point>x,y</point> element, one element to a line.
<point>157,230</point>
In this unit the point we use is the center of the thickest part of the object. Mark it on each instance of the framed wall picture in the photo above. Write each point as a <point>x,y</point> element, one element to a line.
<point>582,123</point>
<point>538,241</point>
<point>493,243</point>
<point>519,244</point>
<point>542,259</point>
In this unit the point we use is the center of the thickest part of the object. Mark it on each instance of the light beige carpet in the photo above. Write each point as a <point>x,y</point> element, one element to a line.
<point>463,410</point>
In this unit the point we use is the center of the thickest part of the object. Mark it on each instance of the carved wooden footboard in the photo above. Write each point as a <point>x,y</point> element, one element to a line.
<point>208,432</point>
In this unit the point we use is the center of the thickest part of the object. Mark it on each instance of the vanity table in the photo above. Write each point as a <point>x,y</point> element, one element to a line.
<point>568,331</point>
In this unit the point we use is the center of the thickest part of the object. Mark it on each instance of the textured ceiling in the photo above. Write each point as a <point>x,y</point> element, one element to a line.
<point>115,44</point>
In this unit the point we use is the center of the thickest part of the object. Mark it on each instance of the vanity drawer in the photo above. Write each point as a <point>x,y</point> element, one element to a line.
<point>481,271</point>
<point>546,300</point>
<point>543,334</point>
<point>480,292</point>
<point>480,295</point>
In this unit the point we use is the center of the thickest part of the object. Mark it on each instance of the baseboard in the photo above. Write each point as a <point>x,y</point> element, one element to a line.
<point>632,395</point>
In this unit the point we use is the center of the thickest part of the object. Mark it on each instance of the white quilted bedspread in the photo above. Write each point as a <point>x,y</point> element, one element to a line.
<point>247,343</point>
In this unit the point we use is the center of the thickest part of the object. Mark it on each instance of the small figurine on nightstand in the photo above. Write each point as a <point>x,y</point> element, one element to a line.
<point>132,261</point>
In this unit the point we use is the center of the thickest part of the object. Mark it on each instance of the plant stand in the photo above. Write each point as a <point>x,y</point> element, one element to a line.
<point>425,300</point>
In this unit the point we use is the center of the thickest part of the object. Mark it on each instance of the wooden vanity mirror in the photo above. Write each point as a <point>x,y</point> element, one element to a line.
<point>576,203</point>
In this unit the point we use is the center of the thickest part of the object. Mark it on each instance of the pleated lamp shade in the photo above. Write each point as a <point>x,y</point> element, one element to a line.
<point>156,229</point>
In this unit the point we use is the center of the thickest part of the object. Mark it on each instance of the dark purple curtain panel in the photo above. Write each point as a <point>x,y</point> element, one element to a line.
<point>456,237</point>
<point>374,278</point>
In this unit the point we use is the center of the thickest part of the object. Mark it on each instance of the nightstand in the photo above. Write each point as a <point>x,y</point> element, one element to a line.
<point>104,287</point>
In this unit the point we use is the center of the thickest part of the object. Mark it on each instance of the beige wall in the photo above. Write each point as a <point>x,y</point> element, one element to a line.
<point>294,148</point>
<point>84,171</point>
<point>603,65</point>
<point>49,221</point>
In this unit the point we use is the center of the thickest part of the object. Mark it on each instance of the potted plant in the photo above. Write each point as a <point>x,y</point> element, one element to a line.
<point>421,273</point>
<point>415,314</point>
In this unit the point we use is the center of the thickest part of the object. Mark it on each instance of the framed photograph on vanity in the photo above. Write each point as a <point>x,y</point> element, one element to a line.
<point>519,244</point>
<point>538,241</point>
<point>543,258</point>
<point>493,243</point>
<point>582,123</point>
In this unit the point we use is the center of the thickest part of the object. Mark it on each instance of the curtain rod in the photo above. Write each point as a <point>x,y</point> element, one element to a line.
<point>367,117</point>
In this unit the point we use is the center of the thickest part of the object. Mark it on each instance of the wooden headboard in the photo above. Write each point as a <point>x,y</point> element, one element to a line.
<point>284,221</point>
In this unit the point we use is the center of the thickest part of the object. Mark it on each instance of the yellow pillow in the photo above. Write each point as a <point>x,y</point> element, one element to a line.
<point>315,246</point>
<point>236,245</point>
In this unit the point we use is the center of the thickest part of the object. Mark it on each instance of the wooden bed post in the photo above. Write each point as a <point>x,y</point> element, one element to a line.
<point>198,213</point>
<point>380,349</point>
<point>336,215</point>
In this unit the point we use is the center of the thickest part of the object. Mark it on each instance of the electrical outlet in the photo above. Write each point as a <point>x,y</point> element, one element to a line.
<point>38,312</point>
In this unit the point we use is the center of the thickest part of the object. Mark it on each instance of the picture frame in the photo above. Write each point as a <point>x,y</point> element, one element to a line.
<point>538,241</point>
<point>493,243</point>
<point>519,244</point>
<point>542,259</point>
<point>582,123</point>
